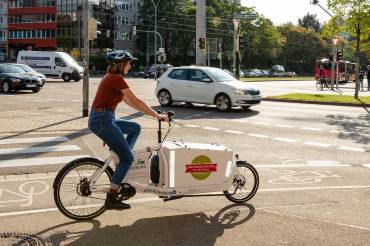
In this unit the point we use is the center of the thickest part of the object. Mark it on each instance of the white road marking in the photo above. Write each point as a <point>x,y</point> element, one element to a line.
<point>240,120</point>
<point>366,165</point>
<point>301,165</point>
<point>284,126</point>
<point>289,140</point>
<point>311,129</point>
<point>150,199</point>
<point>39,161</point>
<point>233,132</point>
<point>352,149</point>
<point>33,140</point>
<point>211,128</point>
<point>257,135</point>
<point>314,188</point>
<point>335,131</point>
<point>260,123</point>
<point>317,144</point>
<point>192,126</point>
<point>13,151</point>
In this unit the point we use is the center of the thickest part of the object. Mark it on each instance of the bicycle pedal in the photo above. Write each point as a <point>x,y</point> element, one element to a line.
<point>127,191</point>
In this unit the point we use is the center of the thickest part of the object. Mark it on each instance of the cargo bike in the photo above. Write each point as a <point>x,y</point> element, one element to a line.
<point>171,170</point>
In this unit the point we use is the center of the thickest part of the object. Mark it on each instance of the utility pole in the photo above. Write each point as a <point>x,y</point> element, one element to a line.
<point>236,51</point>
<point>333,63</point>
<point>155,37</point>
<point>85,85</point>
<point>200,32</point>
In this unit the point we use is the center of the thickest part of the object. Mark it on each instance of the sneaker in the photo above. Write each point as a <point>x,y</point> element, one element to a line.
<point>113,202</point>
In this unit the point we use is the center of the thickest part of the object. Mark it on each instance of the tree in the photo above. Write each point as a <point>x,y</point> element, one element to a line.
<point>353,17</point>
<point>302,48</point>
<point>310,21</point>
<point>263,43</point>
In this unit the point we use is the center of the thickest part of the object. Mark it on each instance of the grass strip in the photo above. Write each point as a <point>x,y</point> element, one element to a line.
<point>265,79</point>
<point>322,98</point>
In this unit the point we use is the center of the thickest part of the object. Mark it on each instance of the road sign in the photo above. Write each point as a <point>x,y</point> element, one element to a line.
<point>248,16</point>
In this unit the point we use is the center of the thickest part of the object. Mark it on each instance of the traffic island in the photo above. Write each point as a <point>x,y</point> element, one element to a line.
<point>343,100</point>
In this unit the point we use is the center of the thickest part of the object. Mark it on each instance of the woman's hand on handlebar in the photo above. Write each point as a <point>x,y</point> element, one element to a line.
<point>163,117</point>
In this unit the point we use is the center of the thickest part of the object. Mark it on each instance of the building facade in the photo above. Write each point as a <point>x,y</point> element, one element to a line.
<point>125,17</point>
<point>31,25</point>
<point>68,33</point>
<point>3,29</point>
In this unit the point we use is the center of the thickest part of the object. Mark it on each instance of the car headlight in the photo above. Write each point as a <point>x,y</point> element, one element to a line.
<point>240,92</point>
<point>16,80</point>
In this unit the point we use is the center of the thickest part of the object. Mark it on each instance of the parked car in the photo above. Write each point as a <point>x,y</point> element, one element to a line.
<point>206,85</point>
<point>14,78</point>
<point>159,69</point>
<point>52,64</point>
<point>29,70</point>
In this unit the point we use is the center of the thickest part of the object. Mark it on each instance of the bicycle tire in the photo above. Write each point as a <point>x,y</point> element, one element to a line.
<point>252,192</point>
<point>67,169</point>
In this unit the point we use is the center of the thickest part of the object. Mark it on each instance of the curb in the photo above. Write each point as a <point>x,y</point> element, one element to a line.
<point>315,102</point>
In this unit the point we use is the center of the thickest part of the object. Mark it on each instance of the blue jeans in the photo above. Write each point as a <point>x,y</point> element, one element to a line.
<point>111,131</point>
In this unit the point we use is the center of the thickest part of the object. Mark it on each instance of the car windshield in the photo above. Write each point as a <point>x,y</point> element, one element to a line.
<point>220,75</point>
<point>10,69</point>
<point>68,59</point>
<point>26,68</point>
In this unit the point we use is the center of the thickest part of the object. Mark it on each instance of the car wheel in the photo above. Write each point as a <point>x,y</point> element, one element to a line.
<point>37,89</point>
<point>77,80</point>
<point>6,87</point>
<point>164,98</point>
<point>66,77</point>
<point>223,102</point>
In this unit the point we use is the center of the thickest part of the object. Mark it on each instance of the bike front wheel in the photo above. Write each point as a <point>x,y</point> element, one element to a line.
<point>245,183</point>
<point>75,196</point>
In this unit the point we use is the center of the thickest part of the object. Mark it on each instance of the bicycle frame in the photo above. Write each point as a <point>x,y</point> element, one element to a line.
<point>143,185</point>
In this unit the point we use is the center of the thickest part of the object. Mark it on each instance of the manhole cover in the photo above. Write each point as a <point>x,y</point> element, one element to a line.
<point>21,239</point>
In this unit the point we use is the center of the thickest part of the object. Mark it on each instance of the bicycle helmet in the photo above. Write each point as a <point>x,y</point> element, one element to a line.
<point>119,56</point>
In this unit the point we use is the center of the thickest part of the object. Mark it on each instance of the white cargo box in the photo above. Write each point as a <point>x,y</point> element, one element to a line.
<point>195,165</point>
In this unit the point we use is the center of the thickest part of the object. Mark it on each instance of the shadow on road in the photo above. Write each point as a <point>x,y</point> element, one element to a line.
<point>188,229</point>
<point>356,129</point>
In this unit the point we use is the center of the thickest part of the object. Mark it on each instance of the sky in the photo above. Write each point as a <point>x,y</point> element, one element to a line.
<point>283,11</point>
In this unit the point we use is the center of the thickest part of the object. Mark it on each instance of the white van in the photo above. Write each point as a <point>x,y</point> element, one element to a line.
<point>52,64</point>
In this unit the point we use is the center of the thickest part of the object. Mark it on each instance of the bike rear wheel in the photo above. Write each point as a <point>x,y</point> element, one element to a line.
<point>75,196</point>
<point>245,184</point>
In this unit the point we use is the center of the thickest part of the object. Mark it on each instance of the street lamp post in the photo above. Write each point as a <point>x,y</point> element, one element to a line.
<point>155,37</point>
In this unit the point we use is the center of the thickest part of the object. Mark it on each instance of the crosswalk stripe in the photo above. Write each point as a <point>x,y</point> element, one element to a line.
<point>39,161</point>
<point>13,151</point>
<point>33,140</point>
<point>233,132</point>
<point>352,148</point>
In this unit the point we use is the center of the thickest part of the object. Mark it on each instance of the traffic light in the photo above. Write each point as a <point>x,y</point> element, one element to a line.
<point>241,43</point>
<point>314,1</point>
<point>339,54</point>
<point>202,43</point>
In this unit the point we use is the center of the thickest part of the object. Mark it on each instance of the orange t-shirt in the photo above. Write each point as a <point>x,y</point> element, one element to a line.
<point>109,92</point>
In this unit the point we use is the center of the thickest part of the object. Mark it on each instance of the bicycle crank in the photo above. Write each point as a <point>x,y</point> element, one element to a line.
<point>127,191</point>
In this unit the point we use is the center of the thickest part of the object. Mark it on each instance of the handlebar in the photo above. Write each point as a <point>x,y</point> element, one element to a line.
<point>169,113</point>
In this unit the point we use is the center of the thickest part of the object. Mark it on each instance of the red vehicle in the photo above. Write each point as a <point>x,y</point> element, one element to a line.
<point>346,70</point>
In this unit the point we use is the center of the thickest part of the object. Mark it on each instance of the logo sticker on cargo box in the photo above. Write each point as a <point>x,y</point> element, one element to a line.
<point>201,167</point>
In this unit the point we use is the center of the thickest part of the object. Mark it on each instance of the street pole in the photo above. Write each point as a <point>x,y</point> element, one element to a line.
<point>201,32</point>
<point>79,10</point>
<point>236,63</point>
<point>334,62</point>
<point>85,85</point>
<point>155,37</point>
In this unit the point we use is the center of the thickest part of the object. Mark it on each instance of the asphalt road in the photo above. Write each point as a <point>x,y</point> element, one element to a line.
<point>313,162</point>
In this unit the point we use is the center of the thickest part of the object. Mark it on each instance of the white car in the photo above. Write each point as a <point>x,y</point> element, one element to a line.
<point>206,85</point>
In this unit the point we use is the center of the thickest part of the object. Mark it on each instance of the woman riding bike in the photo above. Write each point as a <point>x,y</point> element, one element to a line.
<point>112,90</point>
